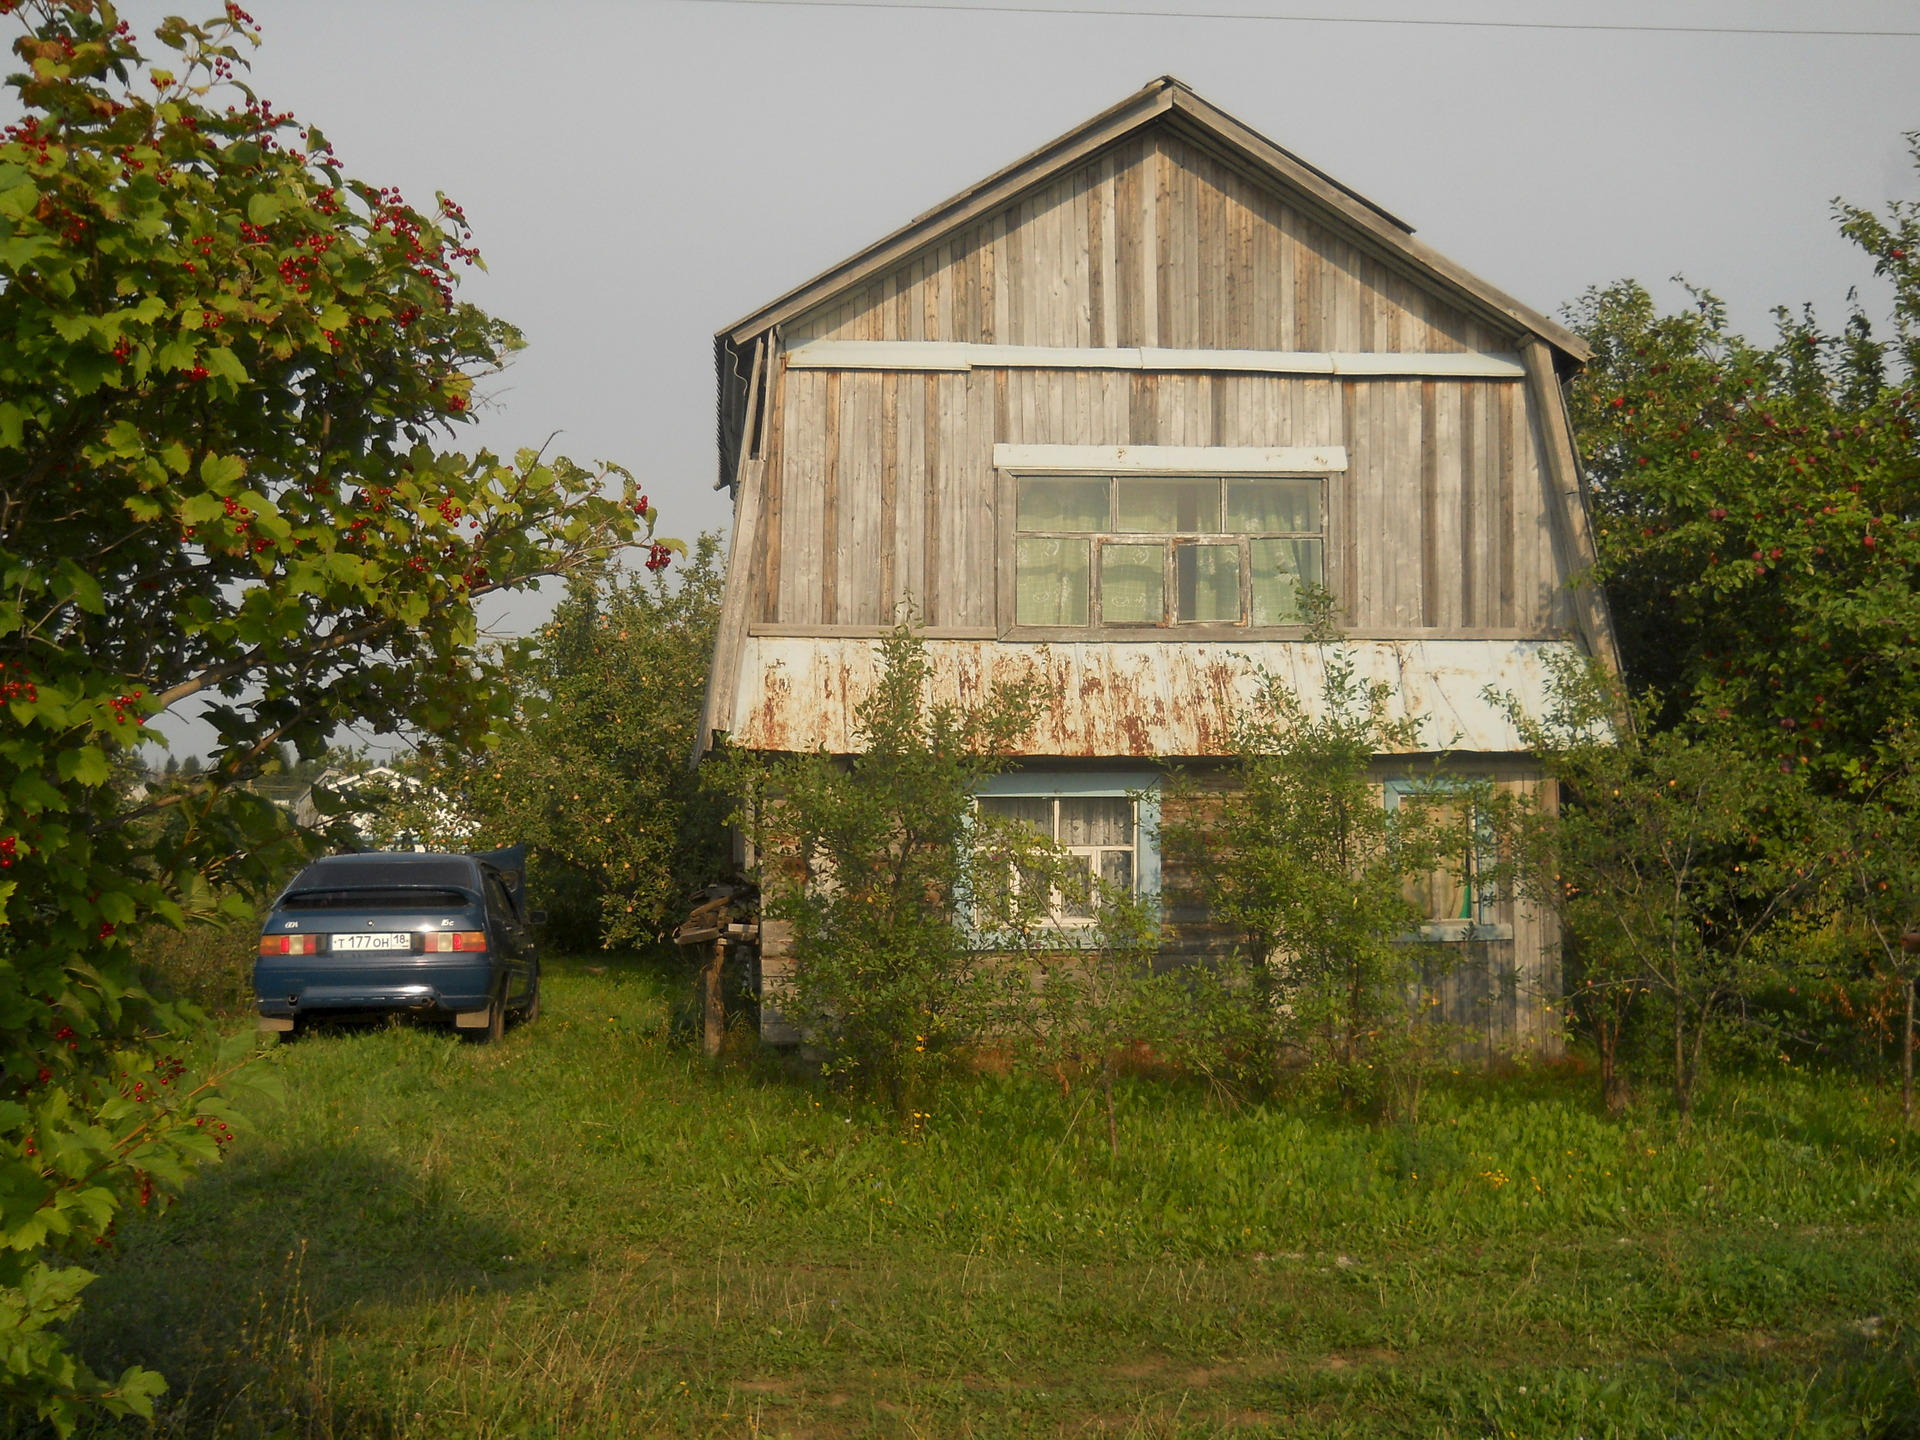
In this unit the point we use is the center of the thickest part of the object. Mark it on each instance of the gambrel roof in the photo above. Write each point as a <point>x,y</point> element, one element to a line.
<point>1169,103</point>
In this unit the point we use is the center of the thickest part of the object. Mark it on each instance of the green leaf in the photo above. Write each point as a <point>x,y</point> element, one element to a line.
<point>33,794</point>
<point>198,509</point>
<point>123,439</point>
<point>221,471</point>
<point>264,209</point>
<point>85,763</point>
<point>20,252</point>
<point>80,587</point>
<point>222,361</point>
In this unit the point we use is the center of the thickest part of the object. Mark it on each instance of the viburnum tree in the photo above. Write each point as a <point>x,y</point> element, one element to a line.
<point>1758,511</point>
<point>224,370</point>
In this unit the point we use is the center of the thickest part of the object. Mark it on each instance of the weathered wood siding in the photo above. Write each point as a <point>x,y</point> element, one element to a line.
<point>880,488</point>
<point>1156,242</point>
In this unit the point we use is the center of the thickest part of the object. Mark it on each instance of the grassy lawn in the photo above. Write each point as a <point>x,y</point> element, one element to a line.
<point>580,1232</point>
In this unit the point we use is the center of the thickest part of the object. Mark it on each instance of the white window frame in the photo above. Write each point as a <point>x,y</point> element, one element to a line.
<point>1141,787</point>
<point>1017,462</point>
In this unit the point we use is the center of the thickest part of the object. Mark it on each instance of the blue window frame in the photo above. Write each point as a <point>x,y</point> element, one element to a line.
<point>1458,904</point>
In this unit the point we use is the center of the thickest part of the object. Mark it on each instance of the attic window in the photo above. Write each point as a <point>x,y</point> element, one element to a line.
<point>1127,551</point>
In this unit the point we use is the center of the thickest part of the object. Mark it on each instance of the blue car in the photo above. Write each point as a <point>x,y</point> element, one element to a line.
<point>438,937</point>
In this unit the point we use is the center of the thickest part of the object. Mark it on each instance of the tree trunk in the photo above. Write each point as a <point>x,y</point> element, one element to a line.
<point>1613,1085</point>
<point>1906,1061</point>
<point>1682,1081</point>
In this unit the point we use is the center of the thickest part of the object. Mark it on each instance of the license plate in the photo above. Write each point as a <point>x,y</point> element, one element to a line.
<point>390,940</point>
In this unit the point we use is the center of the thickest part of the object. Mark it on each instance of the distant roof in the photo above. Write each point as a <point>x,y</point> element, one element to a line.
<point>1168,101</point>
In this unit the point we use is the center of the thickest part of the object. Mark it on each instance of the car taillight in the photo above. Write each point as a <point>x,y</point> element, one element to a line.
<point>289,944</point>
<point>442,942</point>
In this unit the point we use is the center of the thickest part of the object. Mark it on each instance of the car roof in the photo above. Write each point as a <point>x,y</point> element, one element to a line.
<point>386,868</point>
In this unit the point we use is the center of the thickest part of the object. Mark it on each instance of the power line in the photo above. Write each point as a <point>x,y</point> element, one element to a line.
<point>1588,27</point>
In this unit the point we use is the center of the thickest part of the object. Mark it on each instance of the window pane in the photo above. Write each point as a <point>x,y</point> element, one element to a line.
<point>1264,507</point>
<point>1168,507</point>
<point>1101,820</point>
<point>1077,505</point>
<point>1280,567</point>
<point>1132,584</point>
<point>1209,581</point>
<point>1116,869</point>
<point>1446,893</point>
<point>1034,812</point>
<point>1050,581</point>
<point>1076,889</point>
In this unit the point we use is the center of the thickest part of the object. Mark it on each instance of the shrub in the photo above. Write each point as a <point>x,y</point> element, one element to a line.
<point>896,891</point>
<point>1303,860</point>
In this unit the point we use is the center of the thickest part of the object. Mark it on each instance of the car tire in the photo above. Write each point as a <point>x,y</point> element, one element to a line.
<point>530,1011</point>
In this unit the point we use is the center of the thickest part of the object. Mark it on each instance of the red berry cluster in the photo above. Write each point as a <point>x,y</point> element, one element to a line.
<point>640,506</point>
<point>65,1032</point>
<point>9,851</point>
<point>27,134</point>
<point>19,686</point>
<point>221,1134</point>
<point>450,510</point>
<point>658,557</point>
<point>122,705</point>
<point>263,116</point>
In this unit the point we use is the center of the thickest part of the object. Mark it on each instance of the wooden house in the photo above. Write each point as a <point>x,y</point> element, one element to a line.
<point>1099,416</point>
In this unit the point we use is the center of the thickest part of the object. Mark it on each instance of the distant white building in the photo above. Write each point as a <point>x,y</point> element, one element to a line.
<point>392,810</point>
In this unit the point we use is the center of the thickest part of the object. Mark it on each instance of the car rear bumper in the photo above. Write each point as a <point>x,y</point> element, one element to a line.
<point>291,986</point>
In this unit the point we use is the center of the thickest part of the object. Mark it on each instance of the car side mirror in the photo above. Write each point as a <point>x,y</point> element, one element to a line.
<point>537,917</point>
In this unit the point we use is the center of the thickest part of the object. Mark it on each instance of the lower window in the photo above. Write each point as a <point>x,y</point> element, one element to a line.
<point>1104,822</point>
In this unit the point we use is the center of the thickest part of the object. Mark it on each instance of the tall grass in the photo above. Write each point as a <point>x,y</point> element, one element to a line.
<point>582,1232</point>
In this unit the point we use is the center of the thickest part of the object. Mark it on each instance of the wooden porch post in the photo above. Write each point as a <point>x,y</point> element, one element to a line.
<point>714,1003</point>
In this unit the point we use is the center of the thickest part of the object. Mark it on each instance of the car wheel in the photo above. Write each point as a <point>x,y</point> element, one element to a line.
<point>530,1011</point>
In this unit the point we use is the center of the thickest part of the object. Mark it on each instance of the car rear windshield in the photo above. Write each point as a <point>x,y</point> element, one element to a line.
<point>388,899</point>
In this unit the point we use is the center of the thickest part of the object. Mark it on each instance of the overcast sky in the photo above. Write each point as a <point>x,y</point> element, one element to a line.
<point>643,172</point>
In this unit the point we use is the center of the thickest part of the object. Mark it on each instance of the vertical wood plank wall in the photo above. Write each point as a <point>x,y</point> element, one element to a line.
<point>882,491</point>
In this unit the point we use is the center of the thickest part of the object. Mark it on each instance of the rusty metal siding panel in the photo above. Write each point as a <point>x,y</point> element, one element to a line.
<point>1134,698</point>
